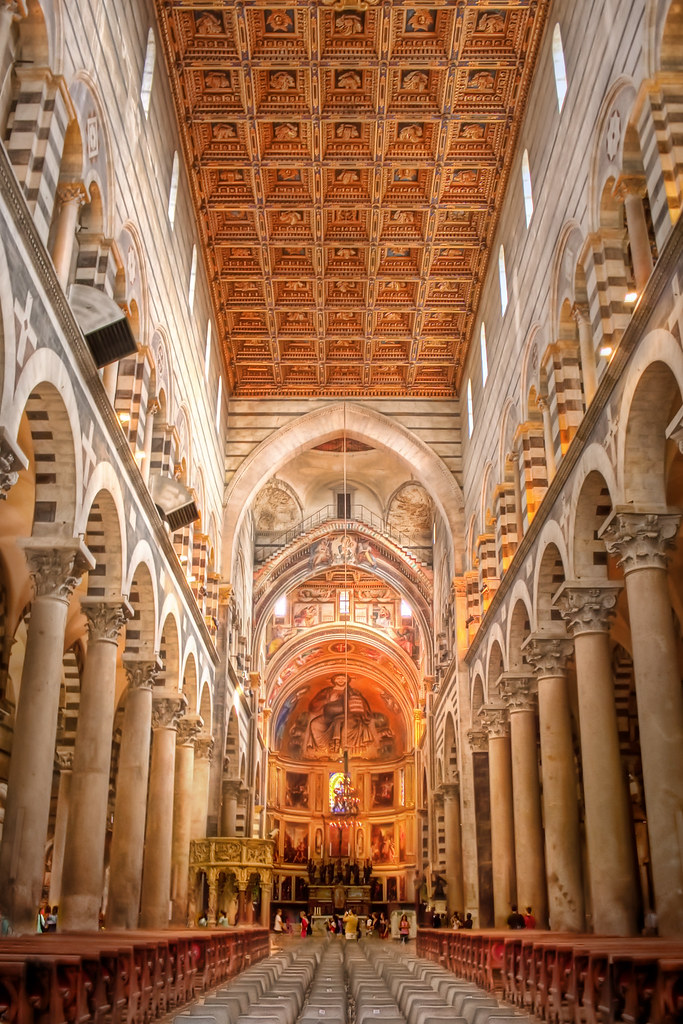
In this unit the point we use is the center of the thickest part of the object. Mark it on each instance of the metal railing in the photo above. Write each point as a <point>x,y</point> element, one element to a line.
<point>268,544</point>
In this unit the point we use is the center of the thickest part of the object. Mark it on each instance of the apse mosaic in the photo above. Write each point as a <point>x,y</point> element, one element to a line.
<point>320,720</point>
<point>348,161</point>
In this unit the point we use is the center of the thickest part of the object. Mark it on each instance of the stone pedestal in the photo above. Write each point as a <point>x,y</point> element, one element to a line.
<point>497,726</point>
<point>587,609</point>
<point>566,909</point>
<point>203,752</point>
<point>156,869</point>
<point>451,817</point>
<point>123,907</point>
<point>643,539</point>
<point>188,729</point>
<point>84,856</point>
<point>55,566</point>
<point>526,794</point>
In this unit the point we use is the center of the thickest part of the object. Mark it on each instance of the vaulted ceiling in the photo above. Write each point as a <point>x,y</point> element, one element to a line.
<point>348,163</point>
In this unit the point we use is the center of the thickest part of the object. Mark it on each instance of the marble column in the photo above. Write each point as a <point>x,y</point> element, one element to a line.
<point>152,410</point>
<point>87,825</point>
<point>566,909</point>
<point>231,791</point>
<point>632,191</point>
<point>71,196</point>
<point>586,351</point>
<point>156,869</point>
<point>188,728</point>
<point>497,726</point>
<point>203,753</point>
<point>128,837</point>
<point>643,541</point>
<point>12,460</point>
<point>55,566</point>
<point>453,840</point>
<point>520,698</point>
<point>65,764</point>
<point>266,896</point>
<point>587,607</point>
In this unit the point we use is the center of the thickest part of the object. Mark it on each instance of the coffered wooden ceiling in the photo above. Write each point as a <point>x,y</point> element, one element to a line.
<point>348,163</point>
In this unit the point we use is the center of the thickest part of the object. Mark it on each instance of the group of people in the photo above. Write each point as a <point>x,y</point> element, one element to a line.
<point>517,920</point>
<point>349,924</point>
<point>47,918</point>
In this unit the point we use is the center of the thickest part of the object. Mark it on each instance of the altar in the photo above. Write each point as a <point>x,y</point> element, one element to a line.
<point>325,900</point>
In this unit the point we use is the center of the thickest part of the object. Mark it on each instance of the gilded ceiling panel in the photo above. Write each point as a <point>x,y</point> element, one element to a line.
<point>348,162</point>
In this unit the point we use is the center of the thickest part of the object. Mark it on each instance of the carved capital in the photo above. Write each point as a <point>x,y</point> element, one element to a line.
<point>547,653</point>
<point>518,691</point>
<point>72,192</point>
<point>587,607</point>
<point>189,727</point>
<point>232,787</point>
<point>105,618</point>
<point>204,748</point>
<point>495,721</point>
<point>580,313</point>
<point>64,760</point>
<point>142,673</point>
<point>642,539</point>
<point>56,565</point>
<point>12,459</point>
<point>630,185</point>
<point>478,740</point>
<point>224,593</point>
<point>166,712</point>
<point>451,789</point>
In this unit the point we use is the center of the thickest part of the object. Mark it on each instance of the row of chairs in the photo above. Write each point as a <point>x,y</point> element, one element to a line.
<point>270,992</point>
<point>566,978</point>
<point>423,992</point>
<point>117,977</point>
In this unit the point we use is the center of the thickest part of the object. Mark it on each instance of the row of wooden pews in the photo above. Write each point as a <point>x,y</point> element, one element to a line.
<point>118,977</point>
<point>565,978</point>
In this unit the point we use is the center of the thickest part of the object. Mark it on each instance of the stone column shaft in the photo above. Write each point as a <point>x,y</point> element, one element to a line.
<point>587,354</point>
<point>643,540</point>
<point>182,818</point>
<point>266,895</point>
<point>452,829</point>
<point>550,463</point>
<point>560,805</point>
<point>59,842</point>
<point>200,786</point>
<point>638,236</point>
<point>87,825</point>
<point>71,198</point>
<point>502,824</point>
<point>156,871</point>
<point>231,790</point>
<point>526,795</point>
<point>55,568</point>
<point>128,836</point>
<point>613,883</point>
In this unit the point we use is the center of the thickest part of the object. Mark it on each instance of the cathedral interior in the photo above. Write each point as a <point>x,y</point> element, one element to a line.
<point>341,463</point>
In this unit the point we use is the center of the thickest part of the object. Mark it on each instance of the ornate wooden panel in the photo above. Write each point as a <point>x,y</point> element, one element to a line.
<point>348,163</point>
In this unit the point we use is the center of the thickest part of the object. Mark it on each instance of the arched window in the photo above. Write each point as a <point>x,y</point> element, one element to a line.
<point>218,403</point>
<point>484,354</point>
<point>526,187</point>
<point>148,72</point>
<point>503,280</point>
<point>173,191</point>
<point>470,411</point>
<point>193,278</point>
<point>559,67</point>
<point>207,351</point>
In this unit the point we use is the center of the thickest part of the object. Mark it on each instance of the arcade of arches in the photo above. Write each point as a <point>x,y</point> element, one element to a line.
<point>342,552</point>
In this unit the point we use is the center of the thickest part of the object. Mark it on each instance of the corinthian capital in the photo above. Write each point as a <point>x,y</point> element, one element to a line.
<point>518,690</point>
<point>56,565</point>
<point>12,459</point>
<point>547,653</point>
<point>587,607</point>
<point>203,748</point>
<point>141,672</point>
<point>495,721</point>
<point>72,192</point>
<point>189,727</point>
<point>105,618</point>
<point>477,740</point>
<point>642,539</point>
<point>166,711</point>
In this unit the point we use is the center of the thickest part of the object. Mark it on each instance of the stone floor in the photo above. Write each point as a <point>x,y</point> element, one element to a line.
<point>344,982</point>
